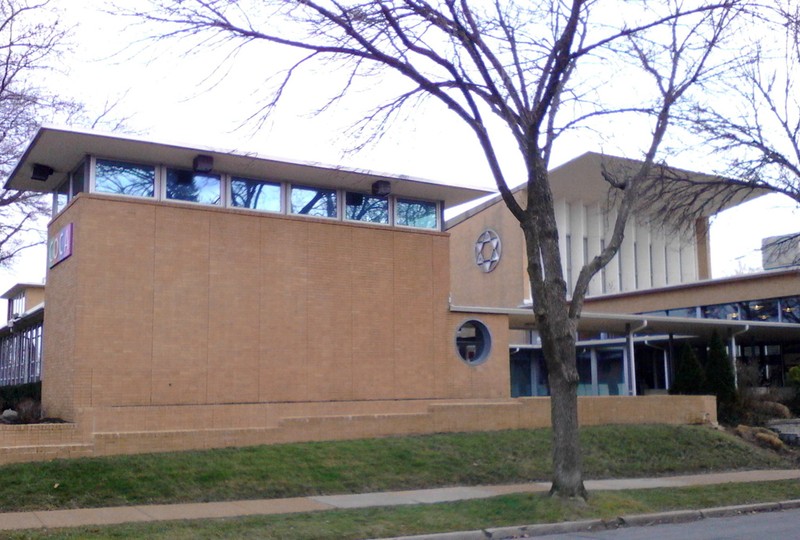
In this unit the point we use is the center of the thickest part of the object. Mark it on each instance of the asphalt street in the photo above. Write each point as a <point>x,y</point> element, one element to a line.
<point>783,525</point>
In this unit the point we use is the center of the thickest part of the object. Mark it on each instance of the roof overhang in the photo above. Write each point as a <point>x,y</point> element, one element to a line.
<point>63,149</point>
<point>581,179</point>
<point>621,324</point>
<point>19,287</point>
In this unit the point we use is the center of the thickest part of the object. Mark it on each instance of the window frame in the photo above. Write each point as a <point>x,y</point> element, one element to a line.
<point>230,178</point>
<point>336,192</point>
<point>389,208</point>
<point>221,203</point>
<point>92,178</point>
<point>437,213</point>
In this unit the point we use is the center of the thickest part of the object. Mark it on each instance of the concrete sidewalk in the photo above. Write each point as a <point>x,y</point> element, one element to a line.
<point>164,512</point>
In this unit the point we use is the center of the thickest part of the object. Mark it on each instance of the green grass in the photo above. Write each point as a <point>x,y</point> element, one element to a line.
<point>523,509</point>
<point>368,465</point>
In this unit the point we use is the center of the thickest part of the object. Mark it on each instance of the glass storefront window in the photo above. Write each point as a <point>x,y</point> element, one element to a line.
<point>611,372</point>
<point>184,185</point>
<point>124,178</point>
<point>421,214</point>
<point>360,207</point>
<point>584,363</point>
<point>255,194</point>
<point>314,202</point>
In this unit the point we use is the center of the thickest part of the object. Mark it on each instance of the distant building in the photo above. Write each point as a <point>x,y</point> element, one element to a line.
<point>21,336</point>
<point>780,251</point>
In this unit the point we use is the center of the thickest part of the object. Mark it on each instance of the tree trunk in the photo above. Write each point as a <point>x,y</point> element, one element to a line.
<point>558,333</point>
<point>563,377</point>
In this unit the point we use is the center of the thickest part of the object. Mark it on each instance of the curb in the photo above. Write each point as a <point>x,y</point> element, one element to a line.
<point>636,520</point>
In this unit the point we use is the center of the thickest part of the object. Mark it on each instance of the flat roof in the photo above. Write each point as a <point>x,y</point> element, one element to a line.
<point>581,179</point>
<point>14,290</point>
<point>523,319</point>
<point>62,149</point>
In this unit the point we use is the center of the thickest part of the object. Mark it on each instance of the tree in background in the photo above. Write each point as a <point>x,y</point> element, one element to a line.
<point>31,42</point>
<point>690,379</point>
<point>748,123</point>
<point>516,73</point>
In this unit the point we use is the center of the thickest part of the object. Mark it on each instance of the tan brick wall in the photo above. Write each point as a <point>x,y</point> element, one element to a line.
<point>128,430</point>
<point>734,289</point>
<point>33,297</point>
<point>168,304</point>
<point>61,366</point>
<point>506,285</point>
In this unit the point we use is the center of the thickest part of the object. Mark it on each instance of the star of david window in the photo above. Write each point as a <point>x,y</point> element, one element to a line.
<point>488,250</point>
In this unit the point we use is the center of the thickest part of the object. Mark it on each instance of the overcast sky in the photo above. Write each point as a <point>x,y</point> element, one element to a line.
<point>168,97</point>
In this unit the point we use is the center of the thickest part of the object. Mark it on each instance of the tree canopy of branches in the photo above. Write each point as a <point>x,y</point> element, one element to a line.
<point>529,72</point>
<point>31,40</point>
<point>749,124</point>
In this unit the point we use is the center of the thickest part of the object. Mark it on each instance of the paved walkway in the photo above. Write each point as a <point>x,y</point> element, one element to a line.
<point>163,512</point>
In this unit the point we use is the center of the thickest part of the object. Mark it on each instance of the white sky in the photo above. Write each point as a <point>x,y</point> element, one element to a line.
<point>166,99</point>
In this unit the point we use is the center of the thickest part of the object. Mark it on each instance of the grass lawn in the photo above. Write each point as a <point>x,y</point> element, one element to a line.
<point>292,470</point>
<point>466,515</point>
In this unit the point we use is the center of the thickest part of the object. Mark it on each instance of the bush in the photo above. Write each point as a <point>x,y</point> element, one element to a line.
<point>689,376</point>
<point>11,396</point>
<point>719,374</point>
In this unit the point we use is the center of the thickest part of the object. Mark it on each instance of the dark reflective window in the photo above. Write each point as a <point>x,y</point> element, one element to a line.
<point>360,207</point>
<point>255,194</point>
<point>759,310</point>
<point>683,312</point>
<point>314,201</point>
<point>721,311</point>
<point>610,372</point>
<point>124,178</point>
<point>419,214</point>
<point>584,363</point>
<point>790,309</point>
<point>184,185</point>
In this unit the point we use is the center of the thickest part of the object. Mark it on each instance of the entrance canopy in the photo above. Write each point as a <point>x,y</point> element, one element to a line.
<point>622,324</point>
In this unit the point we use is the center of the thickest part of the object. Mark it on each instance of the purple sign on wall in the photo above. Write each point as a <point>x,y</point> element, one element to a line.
<point>60,246</point>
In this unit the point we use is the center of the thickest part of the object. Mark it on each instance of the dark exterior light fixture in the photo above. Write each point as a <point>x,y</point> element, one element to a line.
<point>41,172</point>
<point>381,188</point>
<point>202,163</point>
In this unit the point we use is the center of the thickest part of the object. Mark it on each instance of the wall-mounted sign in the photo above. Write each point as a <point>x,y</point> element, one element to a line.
<point>59,247</point>
<point>488,250</point>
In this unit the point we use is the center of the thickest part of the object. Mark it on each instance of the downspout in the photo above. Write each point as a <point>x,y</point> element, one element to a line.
<point>631,360</point>
<point>732,346</point>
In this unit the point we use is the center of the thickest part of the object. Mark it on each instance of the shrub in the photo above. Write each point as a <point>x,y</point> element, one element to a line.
<point>719,374</point>
<point>10,396</point>
<point>689,376</point>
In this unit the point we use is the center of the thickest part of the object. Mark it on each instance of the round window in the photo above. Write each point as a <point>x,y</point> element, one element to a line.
<point>474,342</point>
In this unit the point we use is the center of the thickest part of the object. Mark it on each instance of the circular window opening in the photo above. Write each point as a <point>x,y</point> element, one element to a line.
<point>474,342</point>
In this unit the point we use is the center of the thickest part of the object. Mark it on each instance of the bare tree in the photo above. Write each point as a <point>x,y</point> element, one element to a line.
<point>31,41</point>
<point>518,62</point>
<point>750,124</point>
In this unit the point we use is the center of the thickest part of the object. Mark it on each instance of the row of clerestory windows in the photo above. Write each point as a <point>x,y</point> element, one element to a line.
<point>176,184</point>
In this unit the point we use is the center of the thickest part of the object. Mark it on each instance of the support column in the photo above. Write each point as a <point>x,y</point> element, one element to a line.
<point>631,360</point>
